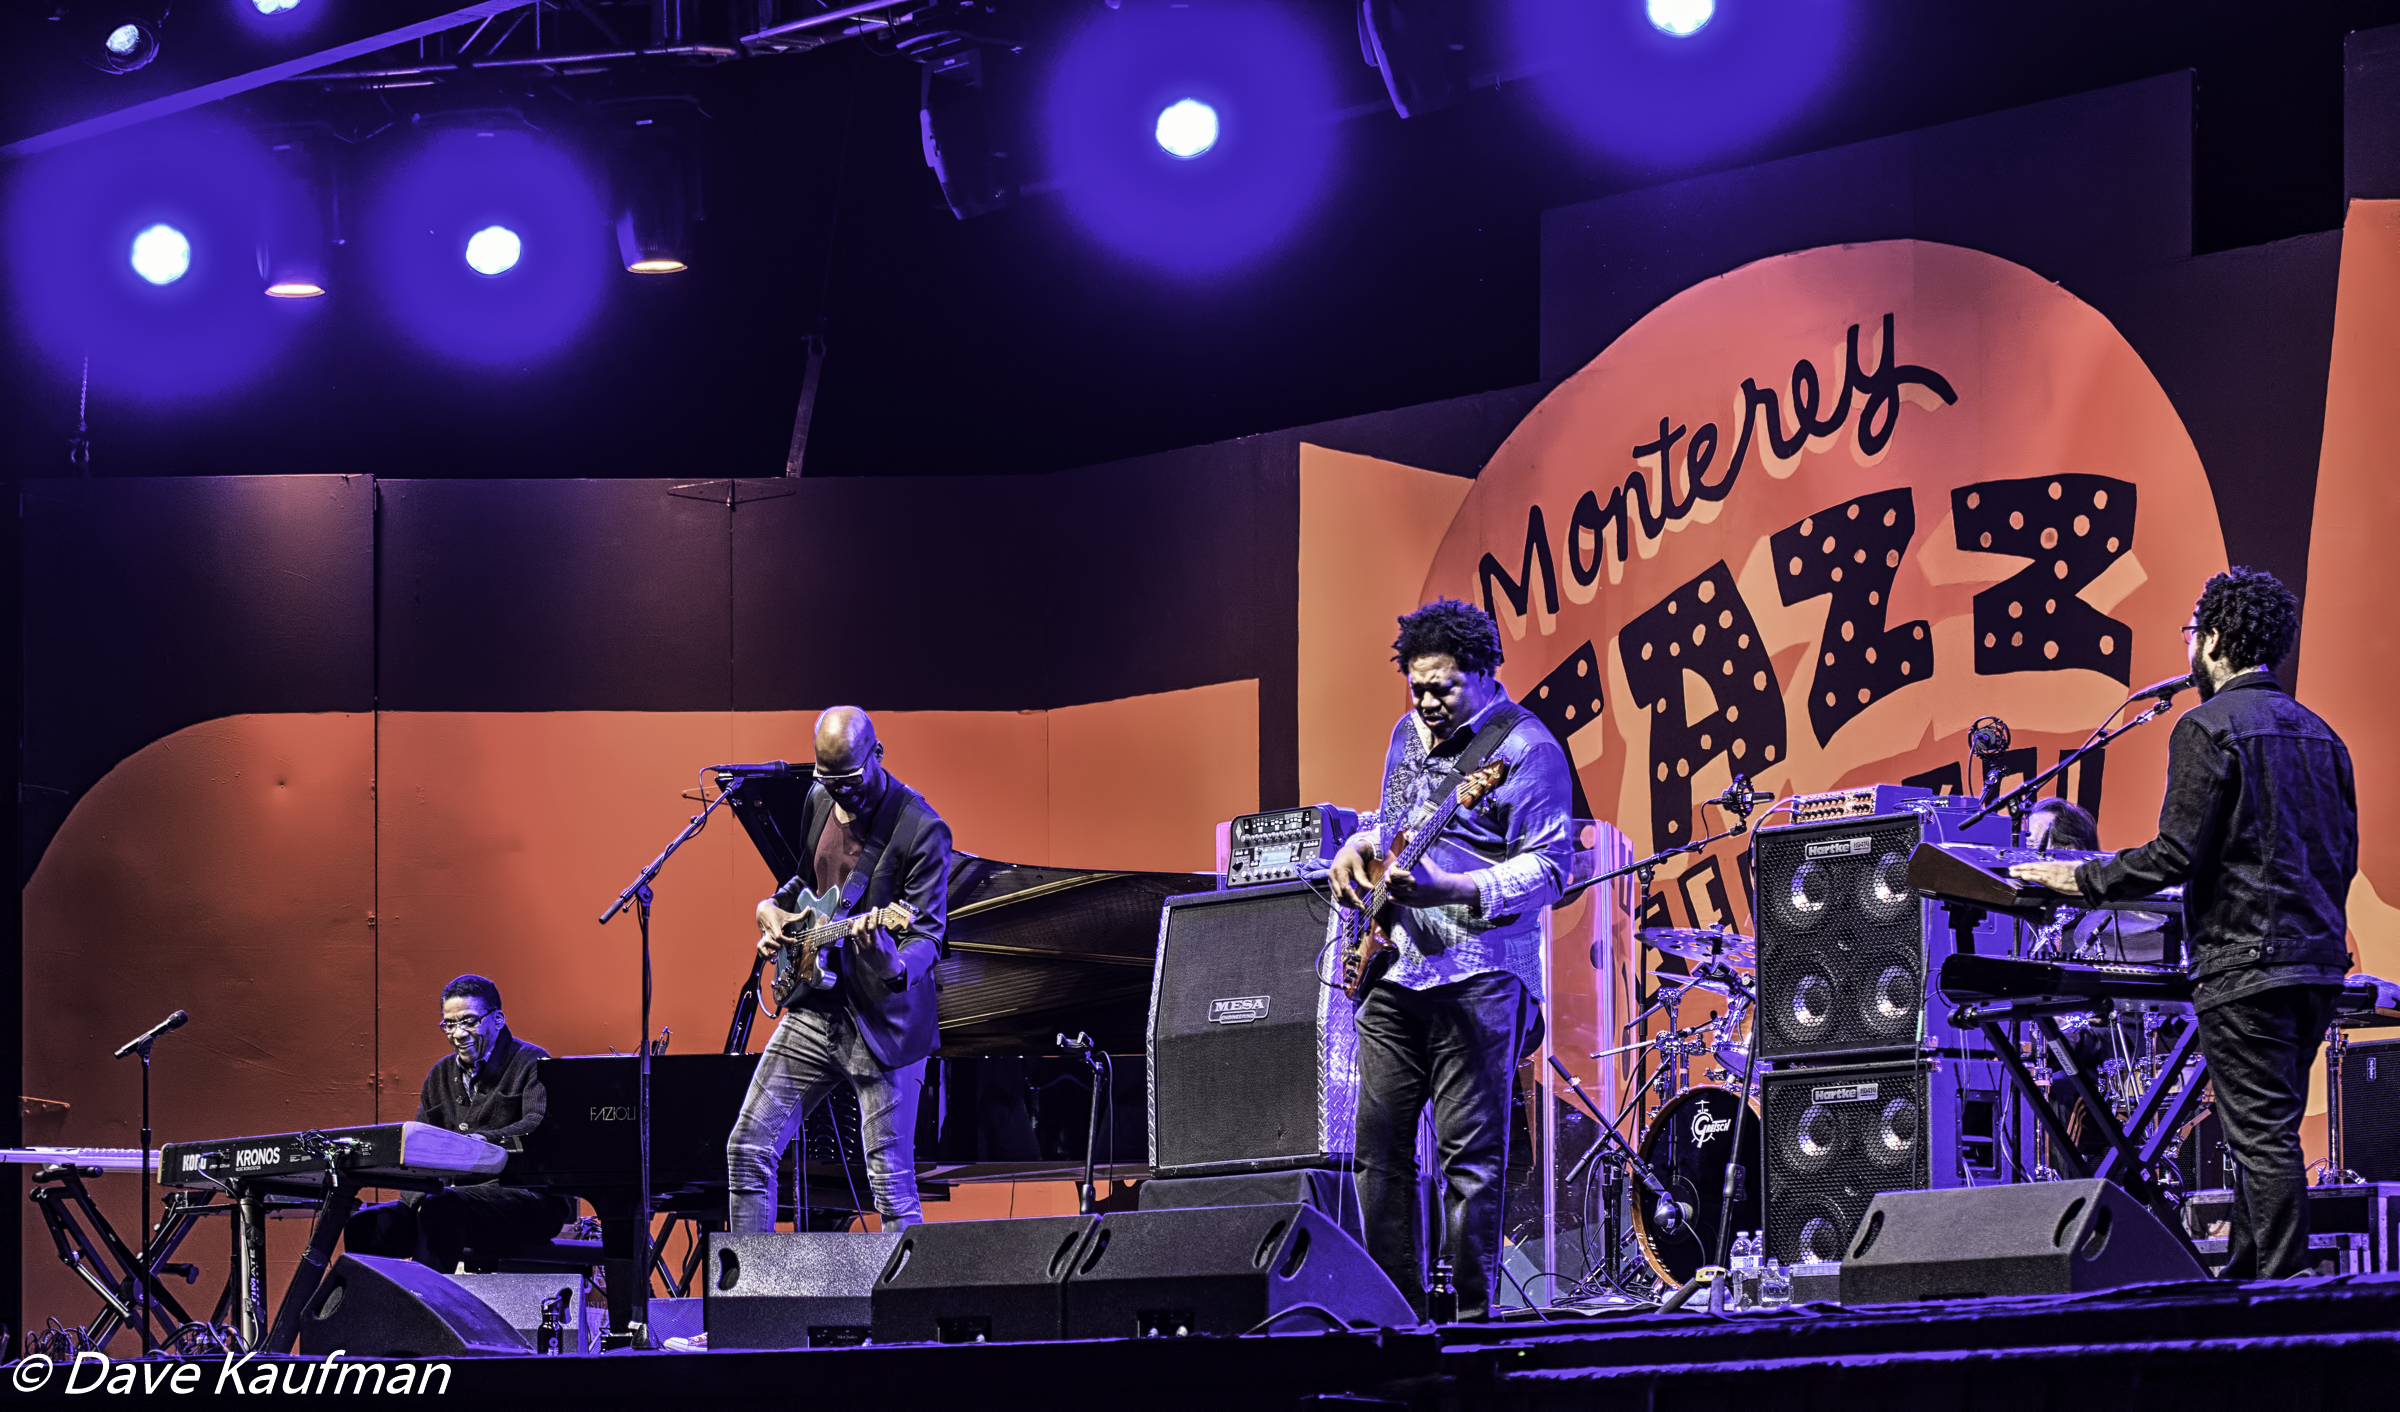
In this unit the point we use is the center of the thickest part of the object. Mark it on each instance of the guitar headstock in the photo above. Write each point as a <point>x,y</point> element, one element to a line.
<point>1481,782</point>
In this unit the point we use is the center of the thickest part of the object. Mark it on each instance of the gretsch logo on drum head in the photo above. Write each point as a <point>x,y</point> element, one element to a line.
<point>1706,1126</point>
<point>1840,848</point>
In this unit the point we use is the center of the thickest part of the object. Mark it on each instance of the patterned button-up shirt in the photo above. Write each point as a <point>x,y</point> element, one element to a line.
<point>1516,845</point>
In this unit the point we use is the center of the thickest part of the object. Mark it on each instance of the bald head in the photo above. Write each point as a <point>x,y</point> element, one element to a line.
<point>845,739</point>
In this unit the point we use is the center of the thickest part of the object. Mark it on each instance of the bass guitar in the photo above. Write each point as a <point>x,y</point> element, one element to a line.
<point>808,940</point>
<point>1366,942</point>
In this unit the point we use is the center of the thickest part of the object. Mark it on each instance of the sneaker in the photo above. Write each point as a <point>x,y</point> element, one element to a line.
<point>697,1343</point>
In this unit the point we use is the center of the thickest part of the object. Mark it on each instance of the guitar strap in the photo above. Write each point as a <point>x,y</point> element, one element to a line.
<point>1487,740</point>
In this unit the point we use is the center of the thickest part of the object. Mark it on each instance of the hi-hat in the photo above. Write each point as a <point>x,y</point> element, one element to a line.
<point>1701,944</point>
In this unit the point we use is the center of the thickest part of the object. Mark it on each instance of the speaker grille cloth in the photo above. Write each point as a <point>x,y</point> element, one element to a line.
<point>1280,1088</point>
<point>1841,938</point>
<point>2371,1110</point>
<point>1835,1138</point>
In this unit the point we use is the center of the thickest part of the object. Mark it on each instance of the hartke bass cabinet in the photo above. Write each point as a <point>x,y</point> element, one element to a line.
<point>1253,1056</point>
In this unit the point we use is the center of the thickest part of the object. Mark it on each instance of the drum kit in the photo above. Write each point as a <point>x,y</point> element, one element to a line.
<point>1697,1132</point>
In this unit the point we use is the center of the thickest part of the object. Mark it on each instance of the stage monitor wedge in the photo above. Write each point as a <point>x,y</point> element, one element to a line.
<point>1987,1241</point>
<point>1224,1270</point>
<point>792,1289</point>
<point>377,1308</point>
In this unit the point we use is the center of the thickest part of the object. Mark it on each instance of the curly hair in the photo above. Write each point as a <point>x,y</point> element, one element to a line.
<point>2253,615</point>
<point>474,987</point>
<point>1461,631</point>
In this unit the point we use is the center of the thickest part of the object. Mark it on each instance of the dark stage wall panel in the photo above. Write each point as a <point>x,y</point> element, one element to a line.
<point>2096,182</point>
<point>151,605</point>
<point>552,596</point>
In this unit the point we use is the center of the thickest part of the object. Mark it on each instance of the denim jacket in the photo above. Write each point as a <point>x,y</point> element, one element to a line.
<point>2260,825</point>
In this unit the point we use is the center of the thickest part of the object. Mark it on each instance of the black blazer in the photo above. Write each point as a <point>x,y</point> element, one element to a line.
<point>900,1020</point>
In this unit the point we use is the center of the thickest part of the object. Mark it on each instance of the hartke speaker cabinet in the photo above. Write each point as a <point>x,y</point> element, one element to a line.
<point>2035,1238</point>
<point>977,1281</point>
<point>1223,1270</point>
<point>792,1289</point>
<point>1253,1060</point>
<point>381,1308</point>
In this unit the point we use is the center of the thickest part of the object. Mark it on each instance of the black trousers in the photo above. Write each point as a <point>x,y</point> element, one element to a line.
<point>2259,1049</point>
<point>1454,1046</point>
<point>441,1228</point>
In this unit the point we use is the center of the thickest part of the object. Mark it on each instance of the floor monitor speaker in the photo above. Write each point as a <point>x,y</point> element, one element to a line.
<point>792,1289</point>
<point>2034,1238</point>
<point>977,1281</point>
<point>1253,1059</point>
<point>521,1299</point>
<point>378,1308</point>
<point>1334,1193</point>
<point>1223,1270</point>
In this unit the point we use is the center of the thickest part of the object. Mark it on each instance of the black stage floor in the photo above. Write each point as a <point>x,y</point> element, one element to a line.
<point>2328,1343</point>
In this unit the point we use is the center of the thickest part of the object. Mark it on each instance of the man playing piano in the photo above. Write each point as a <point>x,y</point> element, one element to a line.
<point>874,1028</point>
<point>2261,826</point>
<point>1447,1024</point>
<point>487,1085</point>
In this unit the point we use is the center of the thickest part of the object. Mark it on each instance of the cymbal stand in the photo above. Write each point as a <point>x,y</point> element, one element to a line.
<point>1737,1177</point>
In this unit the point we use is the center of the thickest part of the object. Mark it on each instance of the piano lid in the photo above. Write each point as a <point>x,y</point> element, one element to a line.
<point>1033,950</point>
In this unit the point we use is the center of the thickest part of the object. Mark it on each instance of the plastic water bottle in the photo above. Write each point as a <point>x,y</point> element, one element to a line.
<point>1441,1296</point>
<point>1744,1270</point>
<point>1774,1286</point>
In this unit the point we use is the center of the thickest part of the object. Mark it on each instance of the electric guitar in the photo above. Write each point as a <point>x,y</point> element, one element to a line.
<point>1367,946</point>
<point>808,946</point>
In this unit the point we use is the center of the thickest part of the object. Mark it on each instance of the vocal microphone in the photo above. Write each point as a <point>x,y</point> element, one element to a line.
<point>172,1022</point>
<point>776,768</point>
<point>2163,690</point>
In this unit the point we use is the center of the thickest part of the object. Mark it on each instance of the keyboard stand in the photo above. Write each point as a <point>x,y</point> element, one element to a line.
<point>2128,1160</point>
<point>100,1257</point>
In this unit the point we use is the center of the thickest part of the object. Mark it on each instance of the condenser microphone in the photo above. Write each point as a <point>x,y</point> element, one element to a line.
<point>2163,690</point>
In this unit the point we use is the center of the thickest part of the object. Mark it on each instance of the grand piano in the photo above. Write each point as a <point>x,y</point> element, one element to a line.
<point>1032,951</point>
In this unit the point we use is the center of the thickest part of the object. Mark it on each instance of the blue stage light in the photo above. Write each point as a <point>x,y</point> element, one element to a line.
<point>134,249</point>
<point>1187,127</point>
<point>494,250</point>
<point>537,252</point>
<point>124,41</point>
<point>161,254</point>
<point>1143,91</point>
<point>1676,17</point>
<point>275,7</point>
<point>1670,81</point>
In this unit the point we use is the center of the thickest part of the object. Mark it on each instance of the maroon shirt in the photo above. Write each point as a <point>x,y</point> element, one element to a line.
<point>838,848</point>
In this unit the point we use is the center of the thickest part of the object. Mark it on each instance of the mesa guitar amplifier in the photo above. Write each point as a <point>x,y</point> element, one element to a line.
<point>1253,1059</point>
<point>1287,844</point>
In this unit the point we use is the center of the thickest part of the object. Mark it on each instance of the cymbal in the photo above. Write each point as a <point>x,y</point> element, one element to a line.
<point>1701,944</point>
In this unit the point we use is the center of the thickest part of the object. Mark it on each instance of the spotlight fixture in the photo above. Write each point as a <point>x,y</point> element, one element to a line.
<point>300,214</point>
<point>123,44</point>
<point>1419,47</point>
<point>275,7</point>
<point>654,180</point>
<point>1186,128</point>
<point>1681,18</point>
<point>161,254</point>
<point>961,141</point>
<point>494,250</point>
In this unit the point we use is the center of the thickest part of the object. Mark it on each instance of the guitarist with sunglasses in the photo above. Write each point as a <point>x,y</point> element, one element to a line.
<point>876,854</point>
<point>1443,956</point>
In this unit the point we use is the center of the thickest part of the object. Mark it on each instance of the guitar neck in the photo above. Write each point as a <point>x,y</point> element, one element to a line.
<point>1419,840</point>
